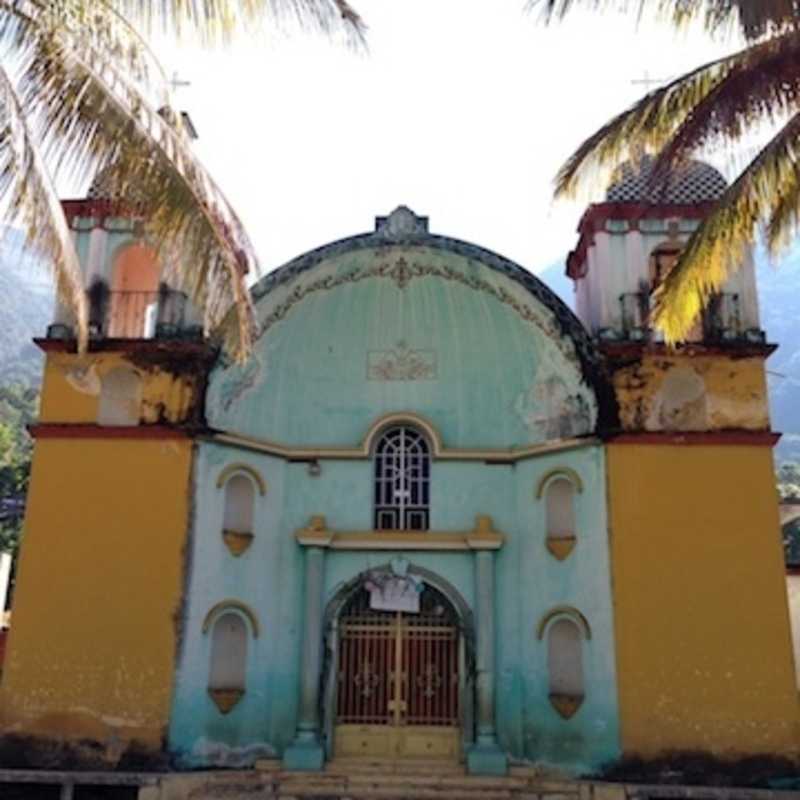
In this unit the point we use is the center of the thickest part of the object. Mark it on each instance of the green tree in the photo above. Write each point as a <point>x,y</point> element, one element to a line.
<point>18,404</point>
<point>718,103</point>
<point>88,95</point>
<point>788,477</point>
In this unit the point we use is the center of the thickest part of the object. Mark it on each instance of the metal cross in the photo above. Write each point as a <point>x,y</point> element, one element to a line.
<point>649,82</point>
<point>178,83</point>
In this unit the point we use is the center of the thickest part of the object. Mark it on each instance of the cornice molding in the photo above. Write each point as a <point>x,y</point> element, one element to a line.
<point>363,451</point>
<point>482,537</point>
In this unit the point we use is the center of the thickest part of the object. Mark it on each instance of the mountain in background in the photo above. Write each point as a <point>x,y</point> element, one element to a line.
<point>26,309</point>
<point>779,301</point>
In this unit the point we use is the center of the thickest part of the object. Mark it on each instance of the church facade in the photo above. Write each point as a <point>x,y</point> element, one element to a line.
<point>435,515</point>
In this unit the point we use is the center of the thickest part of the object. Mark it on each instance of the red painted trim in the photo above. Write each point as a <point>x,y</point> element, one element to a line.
<point>793,569</point>
<point>97,208</point>
<point>127,346</point>
<point>755,438</point>
<point>734,349</point>
<point>49,430</point>
<point>596,216</point>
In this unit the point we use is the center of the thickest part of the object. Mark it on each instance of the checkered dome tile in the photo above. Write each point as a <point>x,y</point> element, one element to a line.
<point>99,189</point>
<point>695,182</point>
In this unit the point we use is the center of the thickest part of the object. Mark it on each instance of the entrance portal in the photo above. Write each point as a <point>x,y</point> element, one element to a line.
<point>398,681</point>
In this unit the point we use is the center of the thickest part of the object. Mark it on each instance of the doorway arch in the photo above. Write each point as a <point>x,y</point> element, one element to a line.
<point>428,712</point>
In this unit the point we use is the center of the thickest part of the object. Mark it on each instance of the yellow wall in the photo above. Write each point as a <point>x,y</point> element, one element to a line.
<point>734,396</point>
<point>704,650</point>
<point>93,640</point>
<point>71,385</point>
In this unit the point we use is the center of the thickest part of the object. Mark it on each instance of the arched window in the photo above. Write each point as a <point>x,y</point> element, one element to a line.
<point>134,292</point>
<point>402,480</point>
<point>565,666</point>
<point>120,397</point>
<point>662,261</point>
<point>226,680</point>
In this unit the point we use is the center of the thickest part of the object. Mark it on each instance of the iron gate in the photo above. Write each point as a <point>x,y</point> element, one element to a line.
<point>398,679</point>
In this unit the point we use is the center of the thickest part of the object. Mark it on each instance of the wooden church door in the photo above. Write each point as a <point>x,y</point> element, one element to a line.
<point>398,687</point>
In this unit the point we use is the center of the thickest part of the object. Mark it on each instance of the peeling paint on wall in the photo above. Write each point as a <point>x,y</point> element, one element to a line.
<point>697,393</point>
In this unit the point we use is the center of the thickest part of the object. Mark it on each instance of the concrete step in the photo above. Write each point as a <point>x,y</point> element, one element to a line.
<point>395,793</point>
<point>357,766</point>
<point>405,786</point>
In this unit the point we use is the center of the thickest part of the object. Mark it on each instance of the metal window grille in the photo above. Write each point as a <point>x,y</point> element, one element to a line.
<point>402,480</point>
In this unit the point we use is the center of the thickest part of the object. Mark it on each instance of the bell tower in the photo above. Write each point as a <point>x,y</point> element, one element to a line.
<point>108,507</point>
<point>715,379</point>
<point>695,552</point>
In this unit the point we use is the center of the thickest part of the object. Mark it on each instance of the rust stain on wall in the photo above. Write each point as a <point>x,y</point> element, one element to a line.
<point>701,393</point>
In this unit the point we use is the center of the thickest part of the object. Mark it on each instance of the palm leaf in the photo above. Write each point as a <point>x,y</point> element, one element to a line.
<point>716,102</point>
<point>220,20</point>
<point>34,205</point>
<point>645,127</point>
<point>92,115</point>
<point>754,18</point>
<point>761,84</point>
<point>98,101</point>
<point>768,190</point>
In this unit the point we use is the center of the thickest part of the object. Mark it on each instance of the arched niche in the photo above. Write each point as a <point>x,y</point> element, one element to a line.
<point>565,631</point>
<point>227,675</point>
<point>565,666</point>
<point>240,485</point>
<point>558,489</point>
<point>120,397</point>
<point>231,624</point>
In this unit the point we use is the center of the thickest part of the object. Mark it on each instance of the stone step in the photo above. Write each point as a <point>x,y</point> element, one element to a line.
<point>378,767</point>
<point>398,785</point>
<point>394,793</point>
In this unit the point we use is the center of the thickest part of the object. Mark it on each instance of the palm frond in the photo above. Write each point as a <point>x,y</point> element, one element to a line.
<point>34,205</point>
<point>766,191</point>
<point>220,20</point>
<point>91,115</point>
<point>761,84</point>
<point>647,126</point>
<point>753,18</point>
<point>715,102</point>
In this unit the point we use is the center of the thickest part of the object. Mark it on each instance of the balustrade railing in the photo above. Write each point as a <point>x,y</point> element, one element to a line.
<point>720,320</point>
<point>135,314</point>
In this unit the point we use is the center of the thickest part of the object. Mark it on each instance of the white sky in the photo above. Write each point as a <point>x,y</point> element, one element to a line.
<point>461,109</point>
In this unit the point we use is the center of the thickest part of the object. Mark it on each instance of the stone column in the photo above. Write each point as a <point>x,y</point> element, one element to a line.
<point>485,757</point>
<point>306,751</point>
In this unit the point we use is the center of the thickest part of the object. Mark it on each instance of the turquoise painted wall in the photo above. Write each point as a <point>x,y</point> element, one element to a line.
<point>493,373</point>
<point>310,385</point>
